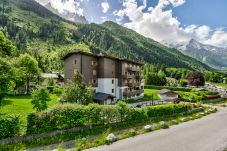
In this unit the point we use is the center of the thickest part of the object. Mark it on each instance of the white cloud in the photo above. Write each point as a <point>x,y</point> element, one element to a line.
<point>65,6</point>
<point>177,3</point>
<point>159,23</point>
<point>104,18</point>
<point>105,7</point>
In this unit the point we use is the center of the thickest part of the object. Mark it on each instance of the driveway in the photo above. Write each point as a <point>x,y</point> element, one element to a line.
<point>206,134</point>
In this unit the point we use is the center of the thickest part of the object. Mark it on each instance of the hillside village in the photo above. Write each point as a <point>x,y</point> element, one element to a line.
<point>65,85</point>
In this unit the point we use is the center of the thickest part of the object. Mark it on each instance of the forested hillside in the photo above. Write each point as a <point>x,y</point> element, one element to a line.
<point>46,36</point>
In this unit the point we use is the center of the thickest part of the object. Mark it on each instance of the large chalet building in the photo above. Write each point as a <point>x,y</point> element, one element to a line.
<point>113,78</point>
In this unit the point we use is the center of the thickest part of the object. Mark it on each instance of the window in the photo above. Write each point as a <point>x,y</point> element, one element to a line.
<point>94,72</point>
<point>112,81</point>
<point>112,90</point>
<point>93,81</point>
<point>94,63</point>
<point>75,61</point>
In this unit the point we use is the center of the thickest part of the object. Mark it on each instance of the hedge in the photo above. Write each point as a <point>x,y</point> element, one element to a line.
<point>9,126</point>
<point>67,116</point>
<point>163,110</point>
<point>166,87</point>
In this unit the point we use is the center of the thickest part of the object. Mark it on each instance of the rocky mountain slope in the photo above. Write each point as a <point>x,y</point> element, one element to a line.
<point>213,56</point>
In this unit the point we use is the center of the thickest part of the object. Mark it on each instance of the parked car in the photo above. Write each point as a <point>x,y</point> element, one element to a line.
<point>176,101</point>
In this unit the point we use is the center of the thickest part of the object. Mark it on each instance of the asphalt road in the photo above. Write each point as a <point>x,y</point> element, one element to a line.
<point>206,134</point>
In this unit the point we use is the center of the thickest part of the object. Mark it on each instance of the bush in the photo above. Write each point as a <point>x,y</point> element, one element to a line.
<point>183,83</point>
<point>9,126</point>
<point>58,90</point>
<point>102,114</point>
<point>39,123</point>
<point>166,87</point>
<point>40,98</point>
<point>50,88</point>
<point>163,110</point>
<point>73,115</point>
<point>193,96</point>
<point>60,117</point>
<point>76,91</point>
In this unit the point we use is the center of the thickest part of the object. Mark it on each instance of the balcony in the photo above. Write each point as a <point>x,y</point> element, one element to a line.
<point>132,93</point>
<point>139,77</point>
<point>139,91</point>
<point>127,94</point>
<point>134,69</point>
<point>128,76</point>
<point>133,84</point>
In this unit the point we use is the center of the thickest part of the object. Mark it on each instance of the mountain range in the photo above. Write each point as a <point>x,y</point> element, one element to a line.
<point>47,36</point>
<point>213,56</point>
<point>67,15</point>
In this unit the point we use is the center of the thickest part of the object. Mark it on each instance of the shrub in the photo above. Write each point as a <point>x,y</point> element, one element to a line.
<point>39,123</point>
<point>183,83</point>
<point>76,91</point>
<point>130,133</point>
<point>40,98</point>
<point>58,90</point>
<point>102,114</point>
<point>162,110</point>
<point>9,126</point>
<point>72,115</point>
<point>192,96</point>
<point>166,87</point>
<point>67,116</point>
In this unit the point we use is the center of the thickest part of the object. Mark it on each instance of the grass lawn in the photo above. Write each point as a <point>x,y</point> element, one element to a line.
<point>21,105</point>
<point>147,96</point>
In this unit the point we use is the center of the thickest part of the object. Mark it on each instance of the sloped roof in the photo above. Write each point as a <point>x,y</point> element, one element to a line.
<point>164,91</point>
<point>99,56</point>
<point>102,96</point>
<point>49,75</point>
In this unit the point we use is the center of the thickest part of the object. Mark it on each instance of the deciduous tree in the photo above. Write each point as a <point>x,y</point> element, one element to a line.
<point>40,97</point>
<point>76,91</point>
<point>196,79</point>
<point>30,68</point>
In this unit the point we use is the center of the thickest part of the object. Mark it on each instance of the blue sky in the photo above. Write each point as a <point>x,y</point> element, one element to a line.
<point>201,12</point>
<point>167,21</point>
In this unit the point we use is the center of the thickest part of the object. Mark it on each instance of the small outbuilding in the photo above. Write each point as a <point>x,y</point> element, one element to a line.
<point>167,95</point>
<point>58,78</point>
<point>103,98</point>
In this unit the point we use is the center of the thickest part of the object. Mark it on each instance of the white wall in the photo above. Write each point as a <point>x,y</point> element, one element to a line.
<point>105,85</point>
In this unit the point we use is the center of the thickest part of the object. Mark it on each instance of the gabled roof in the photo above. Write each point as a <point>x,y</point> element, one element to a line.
<point>164,91</point>
<point>102,96</point>
<point>99,56</point>
<point>51,75</point>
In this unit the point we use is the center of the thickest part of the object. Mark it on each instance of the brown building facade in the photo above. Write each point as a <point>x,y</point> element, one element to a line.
<point>113,78</point>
